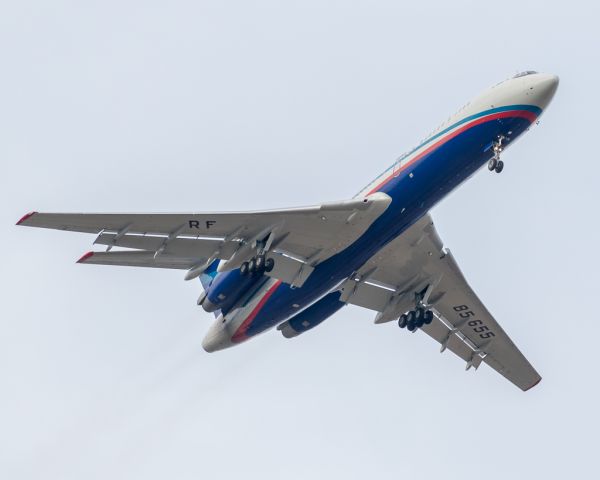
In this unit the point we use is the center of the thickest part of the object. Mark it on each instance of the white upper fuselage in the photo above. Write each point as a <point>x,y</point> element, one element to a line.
<point>536,89</point>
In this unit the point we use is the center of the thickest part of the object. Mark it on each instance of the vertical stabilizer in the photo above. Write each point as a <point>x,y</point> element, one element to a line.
<point>207,277</point>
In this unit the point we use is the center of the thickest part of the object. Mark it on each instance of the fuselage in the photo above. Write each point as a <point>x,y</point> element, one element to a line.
<point>415,182</point>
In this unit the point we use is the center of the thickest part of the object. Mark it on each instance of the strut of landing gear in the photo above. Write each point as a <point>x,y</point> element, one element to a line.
<point>495,164</point>
<point>257,265</point>
<point>415,318</point>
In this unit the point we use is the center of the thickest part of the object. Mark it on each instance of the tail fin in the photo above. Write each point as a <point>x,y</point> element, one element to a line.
<point>209,275</point>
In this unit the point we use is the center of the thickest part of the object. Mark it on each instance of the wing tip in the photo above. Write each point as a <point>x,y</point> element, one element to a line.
<point>85,256</point>
<point>533,385</point>
<point>25,217</point>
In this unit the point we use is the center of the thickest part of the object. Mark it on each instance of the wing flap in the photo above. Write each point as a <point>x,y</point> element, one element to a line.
<point>183,247</point>
<point>440,332</point>
<point>289,270</point>
<point>365,295</point>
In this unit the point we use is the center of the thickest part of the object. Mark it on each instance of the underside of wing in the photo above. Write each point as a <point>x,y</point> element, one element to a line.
<point>297,239</point>
<point>415,270</point>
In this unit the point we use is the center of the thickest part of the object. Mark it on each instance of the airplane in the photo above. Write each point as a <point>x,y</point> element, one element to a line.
<point>294,268</point>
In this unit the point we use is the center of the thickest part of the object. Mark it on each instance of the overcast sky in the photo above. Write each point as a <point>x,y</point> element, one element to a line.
<point>191,106</point>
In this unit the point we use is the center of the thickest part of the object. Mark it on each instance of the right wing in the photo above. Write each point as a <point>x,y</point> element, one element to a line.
<point>297,239</point>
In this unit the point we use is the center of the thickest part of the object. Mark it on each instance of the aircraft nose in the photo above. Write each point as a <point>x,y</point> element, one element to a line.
<point>544,87</point>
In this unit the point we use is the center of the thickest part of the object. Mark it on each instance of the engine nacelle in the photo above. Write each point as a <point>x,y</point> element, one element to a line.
<point>312,316</point>
<point>227,288</point>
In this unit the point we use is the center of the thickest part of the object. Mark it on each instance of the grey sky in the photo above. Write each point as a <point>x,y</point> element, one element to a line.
<point>183,106</point>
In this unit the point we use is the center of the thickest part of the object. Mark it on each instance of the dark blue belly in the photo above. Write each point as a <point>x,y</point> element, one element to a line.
<point>433,176</point>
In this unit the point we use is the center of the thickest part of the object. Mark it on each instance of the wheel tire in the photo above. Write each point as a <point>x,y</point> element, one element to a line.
<point>499,166</point>
<point>410,316</point>
<point>428,317</point>
<point>492,164</point>
<point>252,266</point>
<point>244,269</point>
<point>411,326</point>
<point>402,321</point>
<point>269,264</point>
<point>419,315</point>
<point>259,263</point>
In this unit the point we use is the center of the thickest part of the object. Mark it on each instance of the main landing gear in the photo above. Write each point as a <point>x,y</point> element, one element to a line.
<point>415,319</point>
<point>257,265</point>
<point>495,164</point>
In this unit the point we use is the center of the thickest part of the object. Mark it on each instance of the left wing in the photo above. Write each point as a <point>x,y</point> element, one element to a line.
<point>297,239</point>
<point>417,264</point>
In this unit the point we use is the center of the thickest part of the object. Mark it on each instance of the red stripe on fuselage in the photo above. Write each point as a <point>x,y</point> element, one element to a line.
<point>240,333</point>
<point>514,113</point>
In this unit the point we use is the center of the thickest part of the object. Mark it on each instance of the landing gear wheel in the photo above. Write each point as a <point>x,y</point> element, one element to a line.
<point>269,264</point>
<point>428,317</point>
<point>402,321</point>
<point>259,263</point>
<point>244,269</point>
<point>499,166</point>
<point>411,322</point>
<point>252,266</point>
<point>492,164</point>
<point>420,317</point>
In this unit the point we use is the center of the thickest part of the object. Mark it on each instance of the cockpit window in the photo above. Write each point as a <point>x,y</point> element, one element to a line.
<point>525,73</point>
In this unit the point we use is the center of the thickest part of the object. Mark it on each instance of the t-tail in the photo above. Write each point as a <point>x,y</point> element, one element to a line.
<point>207,278</point>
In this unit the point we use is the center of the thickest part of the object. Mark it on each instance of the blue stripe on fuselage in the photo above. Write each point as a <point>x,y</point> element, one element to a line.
<point>510,108</point>
<point>433,176</point>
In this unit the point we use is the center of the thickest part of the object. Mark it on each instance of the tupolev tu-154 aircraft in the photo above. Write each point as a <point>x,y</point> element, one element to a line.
<point>293,268</point>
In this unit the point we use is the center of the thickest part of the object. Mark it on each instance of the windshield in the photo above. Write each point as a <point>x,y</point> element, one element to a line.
<point>525,73</point>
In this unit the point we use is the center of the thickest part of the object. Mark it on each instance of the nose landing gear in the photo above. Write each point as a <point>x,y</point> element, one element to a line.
<point>495,164</point>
